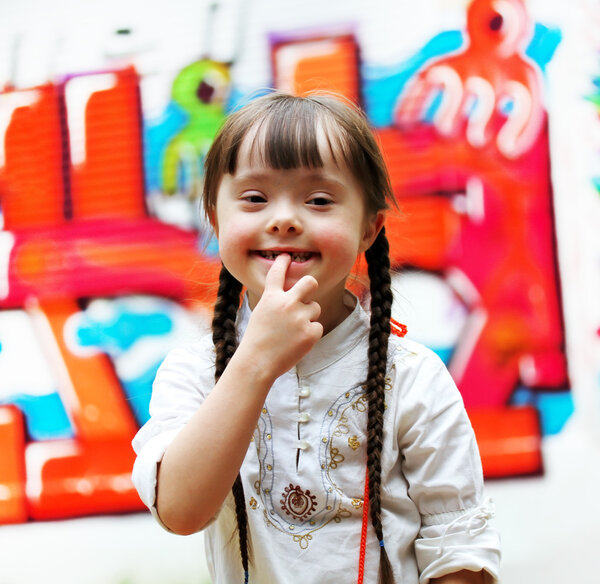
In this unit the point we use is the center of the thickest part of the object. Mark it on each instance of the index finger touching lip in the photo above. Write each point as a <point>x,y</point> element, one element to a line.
<point>277,272</point>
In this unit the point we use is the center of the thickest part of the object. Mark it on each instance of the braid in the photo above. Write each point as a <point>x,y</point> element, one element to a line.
<point>378,262</point>
<point>223,323</point>
<point>225,341</point>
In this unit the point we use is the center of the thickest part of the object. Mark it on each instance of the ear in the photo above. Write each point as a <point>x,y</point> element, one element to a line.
<point>373,225</point>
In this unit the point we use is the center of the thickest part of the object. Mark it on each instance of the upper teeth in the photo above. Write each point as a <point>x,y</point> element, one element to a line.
<point>297,256</point>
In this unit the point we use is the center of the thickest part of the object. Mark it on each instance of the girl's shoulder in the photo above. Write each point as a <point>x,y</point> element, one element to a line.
<point>198,354</point>
<point>406,353</point>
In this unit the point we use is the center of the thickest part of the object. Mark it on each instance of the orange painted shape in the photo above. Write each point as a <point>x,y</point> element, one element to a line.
<point>109,182</point>
<point>509,440</point>
<point>32,188</point>
<point>423,232</point>
<point>68,478</point>
<point>88,385</point>
<point>13,505</point>
<point>324,64</point>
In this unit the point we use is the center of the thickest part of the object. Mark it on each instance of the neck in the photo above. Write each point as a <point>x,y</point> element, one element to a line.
<point>335,314</point>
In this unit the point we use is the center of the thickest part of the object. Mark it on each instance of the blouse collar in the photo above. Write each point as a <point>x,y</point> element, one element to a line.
<point>330,348</point>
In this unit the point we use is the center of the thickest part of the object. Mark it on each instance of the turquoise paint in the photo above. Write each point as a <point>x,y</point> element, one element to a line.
<point>123,331</point>
<point>45,416</point>
<point>555,407</point>
<point>138,392</point>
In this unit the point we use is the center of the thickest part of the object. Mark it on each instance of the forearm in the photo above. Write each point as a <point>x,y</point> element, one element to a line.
<point>200,465</point>
<point>462,577</point>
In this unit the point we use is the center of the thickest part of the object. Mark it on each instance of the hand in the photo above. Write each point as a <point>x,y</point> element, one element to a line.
<point>283,326</point>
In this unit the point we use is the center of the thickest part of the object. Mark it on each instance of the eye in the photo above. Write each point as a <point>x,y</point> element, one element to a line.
<point>320,200</point>
<point>253,197</point>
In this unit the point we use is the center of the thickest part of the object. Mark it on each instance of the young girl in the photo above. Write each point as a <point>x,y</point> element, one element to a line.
<point>339,453</point>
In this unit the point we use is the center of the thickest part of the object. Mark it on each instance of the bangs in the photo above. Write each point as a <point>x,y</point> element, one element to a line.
<point>283,141</point>
<point>287,137</point>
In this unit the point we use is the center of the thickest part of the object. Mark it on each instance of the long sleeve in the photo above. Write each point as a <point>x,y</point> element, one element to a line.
<point>441,463</point>
<point>179,389</point>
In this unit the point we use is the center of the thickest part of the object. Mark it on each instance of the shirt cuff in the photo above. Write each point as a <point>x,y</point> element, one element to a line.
<point>145,470</point>
<point>466,541</point>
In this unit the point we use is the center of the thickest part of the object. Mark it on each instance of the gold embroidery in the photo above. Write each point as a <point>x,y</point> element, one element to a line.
<point>341,514</point>
<point>336,457</point>
<point>353,442</point>
<point>303,540</point>
<point>253,503</point>
<point>342,427</point>
<point>360,404</point>
<point>357,503</point>
<point>257,487</point>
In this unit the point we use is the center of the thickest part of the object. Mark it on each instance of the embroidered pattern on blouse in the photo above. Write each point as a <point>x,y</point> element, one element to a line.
<point>298,503</point>
<point>306,511</point>
<point>353,442</point>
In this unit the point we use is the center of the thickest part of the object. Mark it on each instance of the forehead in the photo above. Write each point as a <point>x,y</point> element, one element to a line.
<point>295,143</point>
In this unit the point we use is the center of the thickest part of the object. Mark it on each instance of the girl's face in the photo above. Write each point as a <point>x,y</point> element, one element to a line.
<point>317,215</point>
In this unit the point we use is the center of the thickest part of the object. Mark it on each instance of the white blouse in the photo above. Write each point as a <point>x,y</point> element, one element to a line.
<point>304,473</point>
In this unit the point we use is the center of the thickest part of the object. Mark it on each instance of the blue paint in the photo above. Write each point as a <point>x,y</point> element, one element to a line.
<point>211,249</point>
<point>543,45</point>
<point>555,410</point>
<point>436,102</point>
<point>138,392</point>
<point>45,416</point>
<point>158,133</point>
<point>444,353</point>
<point>507,106</point>
<point>382,85</point>
<point>123,331</point>
<point>238,98</point>
<point>554,407</point>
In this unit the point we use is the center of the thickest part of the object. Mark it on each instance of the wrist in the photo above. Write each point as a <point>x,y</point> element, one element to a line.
<point>256,371</point>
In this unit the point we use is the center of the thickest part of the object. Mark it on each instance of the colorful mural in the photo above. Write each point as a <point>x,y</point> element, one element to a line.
<point>76,231</point>
<point>96,285</point>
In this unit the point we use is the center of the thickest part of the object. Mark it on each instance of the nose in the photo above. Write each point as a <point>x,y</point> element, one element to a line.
<point>284,220</point>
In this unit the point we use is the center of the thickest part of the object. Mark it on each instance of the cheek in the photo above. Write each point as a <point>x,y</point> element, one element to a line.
<point>341,239</point>
<point>235,238</point>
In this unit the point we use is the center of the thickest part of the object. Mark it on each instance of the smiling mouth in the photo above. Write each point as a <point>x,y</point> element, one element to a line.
<point>297,256</point>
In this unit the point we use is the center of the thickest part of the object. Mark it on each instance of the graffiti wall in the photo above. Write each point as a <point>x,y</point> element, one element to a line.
<point>106,263</point>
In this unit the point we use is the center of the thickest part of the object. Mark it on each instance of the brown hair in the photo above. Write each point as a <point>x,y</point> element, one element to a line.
<point>285,129</point>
